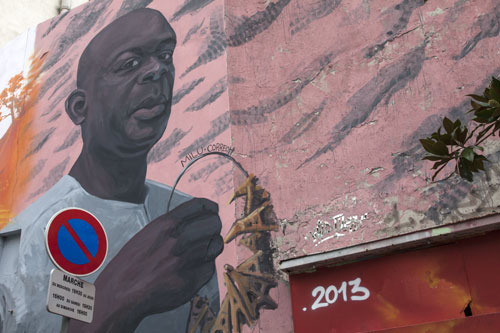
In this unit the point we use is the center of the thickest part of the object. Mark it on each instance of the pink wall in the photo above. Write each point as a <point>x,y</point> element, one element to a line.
<point>329,98</point>
<point>323,100</point>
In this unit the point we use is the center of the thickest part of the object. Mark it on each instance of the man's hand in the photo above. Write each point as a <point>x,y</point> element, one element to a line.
<point>160,268</point>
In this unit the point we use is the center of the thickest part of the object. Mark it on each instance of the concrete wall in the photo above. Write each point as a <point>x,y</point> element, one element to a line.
<point>329,101</point>
<point>323,101</point>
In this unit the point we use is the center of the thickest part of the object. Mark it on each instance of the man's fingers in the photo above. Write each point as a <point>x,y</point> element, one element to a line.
<point>199,227</point>
<point>193,208</point>
<point>215,247</point>
<point>191,234</point>
<point>203,252</point>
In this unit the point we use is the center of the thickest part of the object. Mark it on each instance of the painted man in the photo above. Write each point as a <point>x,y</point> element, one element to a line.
<point>157,261</point>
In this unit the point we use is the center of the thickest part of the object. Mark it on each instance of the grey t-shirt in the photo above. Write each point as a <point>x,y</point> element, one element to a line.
<point>25,265</point>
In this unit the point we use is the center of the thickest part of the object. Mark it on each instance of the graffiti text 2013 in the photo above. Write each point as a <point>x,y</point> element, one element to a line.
<point>331,294</point>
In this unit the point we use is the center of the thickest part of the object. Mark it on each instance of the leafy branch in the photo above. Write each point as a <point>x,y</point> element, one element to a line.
<point>461,143</point>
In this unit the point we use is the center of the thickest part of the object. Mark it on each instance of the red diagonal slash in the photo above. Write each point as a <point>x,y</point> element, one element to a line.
<point>78,241</point>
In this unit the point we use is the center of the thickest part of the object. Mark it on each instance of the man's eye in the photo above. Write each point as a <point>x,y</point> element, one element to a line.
<point>165,56</point>
<point>129,64</point>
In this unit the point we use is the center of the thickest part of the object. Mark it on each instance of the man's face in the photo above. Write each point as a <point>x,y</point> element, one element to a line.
<point>129,91</point>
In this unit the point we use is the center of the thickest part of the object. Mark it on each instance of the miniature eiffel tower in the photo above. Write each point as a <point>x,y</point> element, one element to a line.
<point>248,284</point>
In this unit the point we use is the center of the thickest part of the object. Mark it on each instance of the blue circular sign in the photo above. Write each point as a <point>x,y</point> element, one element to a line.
<point>76,241</point>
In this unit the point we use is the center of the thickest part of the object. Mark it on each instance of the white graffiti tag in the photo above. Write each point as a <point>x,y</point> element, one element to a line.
<point>339,226</point>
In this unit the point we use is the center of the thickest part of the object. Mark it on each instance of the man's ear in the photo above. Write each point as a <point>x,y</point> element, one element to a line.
<point>76,106</point>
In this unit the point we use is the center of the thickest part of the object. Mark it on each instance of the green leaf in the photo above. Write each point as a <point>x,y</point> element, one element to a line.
<point>462,135</point>
<point>475,105</point>
<point>448,125</point>
<point>464,170</point>
<point>478,148</point>
<point>479,98</point>
<point>487,93</point>
<point>436,148</point>
<point>468,154</point>
<point>446,139</point>
<point>440,149</point>
<point>428,145</point>
<point>478,163</point>
<point>433,158</point>
<point>493,103</point>
<point>496,113</point>
<point>495,89</point>
<point>484,115</point>
<point>485,131</point>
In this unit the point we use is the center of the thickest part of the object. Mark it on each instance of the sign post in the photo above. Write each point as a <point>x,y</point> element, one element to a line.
<point>77,244</point>
<point>70,297</point>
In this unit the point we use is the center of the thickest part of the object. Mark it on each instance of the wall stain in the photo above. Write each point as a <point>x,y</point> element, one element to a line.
<point>189,7</point>
<point>35,170</point>
<point>258,113</point>
<point>304,124</point>
<point>129,5</point>
<point>210,96</point>
<point>79,25</point>
<point>163,148</point>
<point>54,22</point>
<point>386,83</point>
<point>217,126</point>
<point>317,11</point>
<point>247,28</point>
<point>453,13</point>
<point>224,184</point>
<point>60,98</point>
<point>207,170</point>
<point>235,79</point>
<point>50,81</point>
<point>39,141</point>
<point>63,83</point>
<point>52,178</point>
<point>70,140</point>
<point>405,10</point>
<point>216,45</point>
<point>185,90</point>
<point>194,29</point>
<point>489,26</point>
<point>55,117</point>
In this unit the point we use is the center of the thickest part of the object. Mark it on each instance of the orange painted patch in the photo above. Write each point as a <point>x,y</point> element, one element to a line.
<point>19,98</point>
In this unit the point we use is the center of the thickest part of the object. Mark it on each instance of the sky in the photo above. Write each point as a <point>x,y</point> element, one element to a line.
<point>15,55</point>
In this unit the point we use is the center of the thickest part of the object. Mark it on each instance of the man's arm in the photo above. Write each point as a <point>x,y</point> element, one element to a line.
<point>160,268</point>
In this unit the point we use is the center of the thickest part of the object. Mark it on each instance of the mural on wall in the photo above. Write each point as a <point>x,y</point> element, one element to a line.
<point>117,88</point>
<point>324,101</point>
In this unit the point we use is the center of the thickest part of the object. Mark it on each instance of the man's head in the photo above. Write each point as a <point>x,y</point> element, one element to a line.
<point>124,85</point>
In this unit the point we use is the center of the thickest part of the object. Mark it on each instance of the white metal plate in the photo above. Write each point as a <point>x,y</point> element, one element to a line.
<point>70,296</point>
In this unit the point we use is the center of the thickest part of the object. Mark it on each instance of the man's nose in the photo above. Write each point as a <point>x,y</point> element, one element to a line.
<point>153,70</point>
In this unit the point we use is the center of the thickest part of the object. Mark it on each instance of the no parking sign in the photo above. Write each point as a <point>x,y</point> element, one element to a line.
<point>76,241</point>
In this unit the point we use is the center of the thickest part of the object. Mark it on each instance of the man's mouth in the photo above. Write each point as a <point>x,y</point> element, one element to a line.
<point>149,113</point>
<point>150,109</point>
